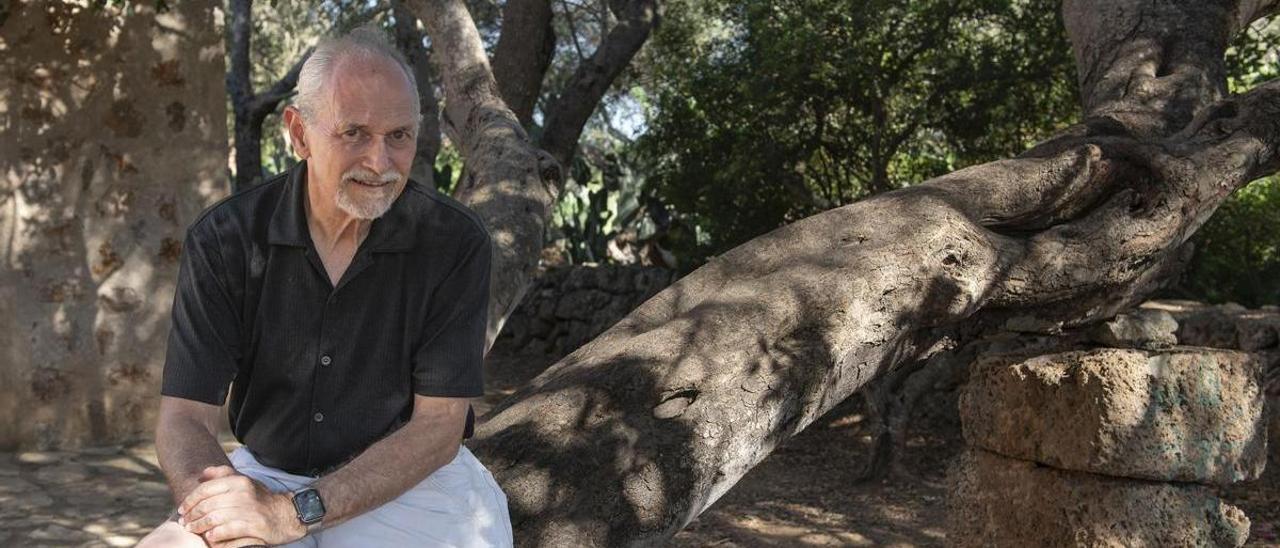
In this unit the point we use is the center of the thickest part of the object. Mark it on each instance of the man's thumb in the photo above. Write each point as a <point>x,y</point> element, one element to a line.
<point>215,472</point>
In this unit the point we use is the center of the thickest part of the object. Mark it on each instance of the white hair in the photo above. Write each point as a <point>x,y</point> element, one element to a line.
<point>365,43</point>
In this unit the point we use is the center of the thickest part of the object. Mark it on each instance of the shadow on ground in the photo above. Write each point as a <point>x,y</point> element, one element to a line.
<point>805,494</point>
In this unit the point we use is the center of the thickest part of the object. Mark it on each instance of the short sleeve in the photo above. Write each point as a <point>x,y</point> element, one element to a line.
<point>204,347</point>
<point>449,361</point>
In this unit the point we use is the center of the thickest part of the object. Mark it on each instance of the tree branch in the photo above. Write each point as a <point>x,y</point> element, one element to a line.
<point>265,103</point>
<point>282,88</point>
<point>569,112</point>
<point>1248,11</point>
<point>410,41</point>
<point>241,29</point>
<point>631,436</point>
<point>523,54</point>
<point>509,182</point>
<point>1149,65</point>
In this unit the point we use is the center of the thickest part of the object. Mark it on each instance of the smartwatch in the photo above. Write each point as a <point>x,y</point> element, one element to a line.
<point>310,508</point>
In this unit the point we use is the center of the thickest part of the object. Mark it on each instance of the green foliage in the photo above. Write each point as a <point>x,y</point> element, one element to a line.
<point>448,168</point>
<point>1237,254</point>
<point>766,112</point>
<point>602,200</point>
<point>1254,56</point>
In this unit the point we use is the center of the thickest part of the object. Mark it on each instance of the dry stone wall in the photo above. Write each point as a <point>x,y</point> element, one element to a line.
<point>568,306</point>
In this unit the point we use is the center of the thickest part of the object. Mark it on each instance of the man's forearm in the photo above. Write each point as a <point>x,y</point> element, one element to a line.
<point>185,447</point>
<point>389,467</point>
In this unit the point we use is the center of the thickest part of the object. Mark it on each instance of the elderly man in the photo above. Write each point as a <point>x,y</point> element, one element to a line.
<point>344,305</point>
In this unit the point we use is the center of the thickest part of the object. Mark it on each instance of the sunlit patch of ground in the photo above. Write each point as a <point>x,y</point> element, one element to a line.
<point>805,494</point>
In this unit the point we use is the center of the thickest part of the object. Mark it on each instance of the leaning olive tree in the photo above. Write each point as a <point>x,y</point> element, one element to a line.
<point>633,435</point>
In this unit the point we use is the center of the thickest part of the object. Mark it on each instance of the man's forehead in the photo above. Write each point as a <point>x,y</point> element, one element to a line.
<point>373,92</point>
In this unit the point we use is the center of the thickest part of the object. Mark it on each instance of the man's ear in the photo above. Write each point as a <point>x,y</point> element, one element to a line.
<point>294,124</point>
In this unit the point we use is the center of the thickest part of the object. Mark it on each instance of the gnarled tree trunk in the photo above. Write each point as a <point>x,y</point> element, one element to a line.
<point>523,54</point>
<point>251,109</point>
<point>632,436</point>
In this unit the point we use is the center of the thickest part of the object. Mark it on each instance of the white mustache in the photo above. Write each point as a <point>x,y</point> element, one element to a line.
<point>391,176</point>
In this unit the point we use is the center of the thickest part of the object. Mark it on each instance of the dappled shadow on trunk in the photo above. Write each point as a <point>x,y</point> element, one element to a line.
<point>627,442</point>
<point>93,205</point>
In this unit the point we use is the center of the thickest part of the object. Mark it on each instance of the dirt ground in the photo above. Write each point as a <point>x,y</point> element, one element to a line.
<point>806,493</point>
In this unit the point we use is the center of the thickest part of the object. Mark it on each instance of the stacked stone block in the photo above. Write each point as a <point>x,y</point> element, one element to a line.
<point>1107,447</point>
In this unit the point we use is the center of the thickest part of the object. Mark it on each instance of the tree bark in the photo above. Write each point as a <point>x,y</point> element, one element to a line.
<point>630,437</point>
<point>409,40</point>
<point>523,53</point>
<point>114,139</point>
<point>251,109</point>
<point>569,112</point>
<point>510,183</point>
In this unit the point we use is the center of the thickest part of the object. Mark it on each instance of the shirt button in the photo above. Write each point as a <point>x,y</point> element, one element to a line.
<point>325,360</point>
<point>318,417</point>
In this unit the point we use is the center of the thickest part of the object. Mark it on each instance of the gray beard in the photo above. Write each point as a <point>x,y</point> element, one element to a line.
<point>371,207</point>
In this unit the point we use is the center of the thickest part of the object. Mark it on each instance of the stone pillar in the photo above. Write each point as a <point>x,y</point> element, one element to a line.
<point>112,139</point>
<point>1107,447</point>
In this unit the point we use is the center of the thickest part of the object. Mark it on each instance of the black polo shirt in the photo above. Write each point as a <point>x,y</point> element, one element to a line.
<point>321,371</point>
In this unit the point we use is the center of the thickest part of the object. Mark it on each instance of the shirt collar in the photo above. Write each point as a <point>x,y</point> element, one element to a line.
<point>393,231</point>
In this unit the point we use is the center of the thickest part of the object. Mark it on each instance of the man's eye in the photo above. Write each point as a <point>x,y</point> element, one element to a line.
<point>400,135</point>
<point>351,133</point>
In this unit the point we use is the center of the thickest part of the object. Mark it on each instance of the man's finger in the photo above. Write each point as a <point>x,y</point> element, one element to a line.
<point>214,487</point>
<point>225,500</point>
<point>207,522</point>
<point>231,530</point>
<point>239,543</point>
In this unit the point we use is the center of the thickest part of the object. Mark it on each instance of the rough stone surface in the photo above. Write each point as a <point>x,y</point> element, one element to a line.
<point>1223,326</point>
<point>568,306</point>
<point>93,497</point>
<point>1142,328</point>
<point>998,501</point>
<point>1183,414</point>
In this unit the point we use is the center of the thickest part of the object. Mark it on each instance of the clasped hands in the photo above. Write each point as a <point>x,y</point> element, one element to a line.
<point>230,510</point>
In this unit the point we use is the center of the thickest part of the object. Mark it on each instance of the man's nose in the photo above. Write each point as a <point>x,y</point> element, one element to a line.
<point>378,155</point>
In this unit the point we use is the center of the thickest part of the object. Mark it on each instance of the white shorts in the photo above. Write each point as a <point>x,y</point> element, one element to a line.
<point>457,505</point>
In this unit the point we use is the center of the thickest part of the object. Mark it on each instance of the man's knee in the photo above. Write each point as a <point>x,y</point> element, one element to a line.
<point>170,534</point>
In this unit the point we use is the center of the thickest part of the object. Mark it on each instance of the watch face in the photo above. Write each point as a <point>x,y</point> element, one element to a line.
<point>310,508</point>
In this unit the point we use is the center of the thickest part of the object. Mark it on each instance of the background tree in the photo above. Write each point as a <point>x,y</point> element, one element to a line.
<point>786,110</point>
<point>631,436</point>
<point>1237,253</point>
<point>285,33</point>
<point>112,140</point>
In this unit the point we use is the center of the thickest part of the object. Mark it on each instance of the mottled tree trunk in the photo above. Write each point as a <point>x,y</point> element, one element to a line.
<point>112,139</point>
<point>633,435</point>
